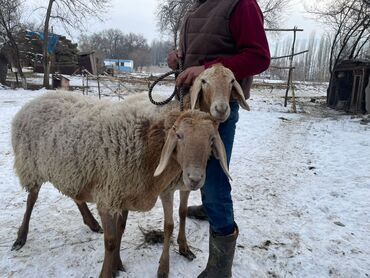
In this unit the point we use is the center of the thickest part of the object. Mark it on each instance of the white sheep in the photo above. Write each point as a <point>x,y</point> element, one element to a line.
<point>112,154</point>
<point>211,92</point>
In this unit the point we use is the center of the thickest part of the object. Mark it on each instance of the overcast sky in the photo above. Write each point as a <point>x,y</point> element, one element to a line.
<point>138,16</point>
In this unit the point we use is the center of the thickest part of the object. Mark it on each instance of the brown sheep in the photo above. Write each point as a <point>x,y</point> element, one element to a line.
<point>211,92</point>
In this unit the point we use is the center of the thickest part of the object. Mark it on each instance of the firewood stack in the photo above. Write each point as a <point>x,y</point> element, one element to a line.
<point>64,58</point>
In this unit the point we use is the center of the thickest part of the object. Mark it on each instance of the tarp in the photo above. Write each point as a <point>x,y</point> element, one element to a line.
<point>53,39</point>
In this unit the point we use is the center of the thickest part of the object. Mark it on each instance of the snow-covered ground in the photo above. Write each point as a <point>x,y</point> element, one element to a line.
<point>301,189</point>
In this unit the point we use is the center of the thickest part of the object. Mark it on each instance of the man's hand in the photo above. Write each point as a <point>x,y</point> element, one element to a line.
<point>173,59</point>
<point>186,78</point>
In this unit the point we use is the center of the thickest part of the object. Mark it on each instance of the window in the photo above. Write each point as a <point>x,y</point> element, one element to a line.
<point>128,64</point>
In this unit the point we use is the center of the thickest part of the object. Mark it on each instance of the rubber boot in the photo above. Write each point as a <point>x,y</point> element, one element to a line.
<point>197,212</point>
<point>221,255</point>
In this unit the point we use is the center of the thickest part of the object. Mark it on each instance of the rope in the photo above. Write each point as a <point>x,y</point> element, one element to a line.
<point>156,82</point>
<point>179,93</point>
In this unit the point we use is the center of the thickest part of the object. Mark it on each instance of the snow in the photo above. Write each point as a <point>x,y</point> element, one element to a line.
<point>301,190</point>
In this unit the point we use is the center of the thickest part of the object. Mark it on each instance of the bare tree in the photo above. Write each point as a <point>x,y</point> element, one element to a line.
<point>110,43</point>
<point>71,14</point>
<point>159,51</point>
<point>273,11</point>
<point>10,13</point>
<point>349,23</point>
<point>313,66</point>
<point>170,15</point>
<point>114,44</point>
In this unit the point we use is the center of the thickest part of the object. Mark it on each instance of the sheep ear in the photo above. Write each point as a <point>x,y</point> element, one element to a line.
<point>239,95</point>
<point>219,152</point>
<point>195,89</point>
<point>167,150</point>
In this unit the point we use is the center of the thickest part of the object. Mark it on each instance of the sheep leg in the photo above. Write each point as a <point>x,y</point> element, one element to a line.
<point>181,239</point>
<point>110,243</point>
<point>120,226</point>
<point>167,203</point>
<point>88,218</point>
<point>23,229</point>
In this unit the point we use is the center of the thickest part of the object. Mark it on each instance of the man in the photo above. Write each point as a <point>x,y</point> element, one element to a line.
<point>228,32</point>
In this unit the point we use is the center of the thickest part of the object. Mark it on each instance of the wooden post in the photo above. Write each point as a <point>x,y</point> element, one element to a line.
<point>294,105</point>
<point>98,86</point>
<point>83,83</point>
<point>16,78</point>
<point>119,89</point>
<point>287,56</point>
<point>290,67</point>
<point>87,84</point>
<point>289,83</point>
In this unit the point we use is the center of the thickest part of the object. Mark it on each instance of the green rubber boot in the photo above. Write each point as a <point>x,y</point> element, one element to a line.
<point>221,255</point>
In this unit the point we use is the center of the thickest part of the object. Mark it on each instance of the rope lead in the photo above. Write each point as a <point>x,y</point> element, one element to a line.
<point>156,82</point>
<point>179,93</point>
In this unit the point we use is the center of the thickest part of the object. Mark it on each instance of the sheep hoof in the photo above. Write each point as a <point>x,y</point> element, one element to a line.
<point>118,266</point>
<point>187,254</point>
<point>102,276</point>
<point>115,273</point>
<point>97,229</point>
<point>162,275</point>
<point>18,244</point>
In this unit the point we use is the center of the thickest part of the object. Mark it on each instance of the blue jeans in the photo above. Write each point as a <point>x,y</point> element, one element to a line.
<point>216,192</point>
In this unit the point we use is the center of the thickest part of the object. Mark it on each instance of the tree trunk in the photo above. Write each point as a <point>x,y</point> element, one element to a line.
<point>175,39</point>
<point>17,59</point>
<point>3,68</point>
<point>15,53</point>
<point>45,46</point>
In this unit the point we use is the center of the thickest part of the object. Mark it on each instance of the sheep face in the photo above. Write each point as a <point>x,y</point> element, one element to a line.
<point>191,140</point>
<point>217,85</point>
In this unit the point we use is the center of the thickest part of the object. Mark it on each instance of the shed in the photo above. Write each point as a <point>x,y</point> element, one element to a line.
<point>119,65</point>
<point>60,81</point>
<point>87,60</point>
<point>347,87</point>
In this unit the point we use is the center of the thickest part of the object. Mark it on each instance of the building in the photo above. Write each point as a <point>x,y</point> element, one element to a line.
<point>88,61</point>
<point>60,81</point>
<point>119,65</point>
<point>348,86</point>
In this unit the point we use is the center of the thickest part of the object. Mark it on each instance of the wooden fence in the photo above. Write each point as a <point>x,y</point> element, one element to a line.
<point>289,84</point>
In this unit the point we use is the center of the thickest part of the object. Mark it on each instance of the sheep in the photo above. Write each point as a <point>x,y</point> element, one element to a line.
<point>211,92</point>
<point>111,154</point>
<point>218,87</point>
